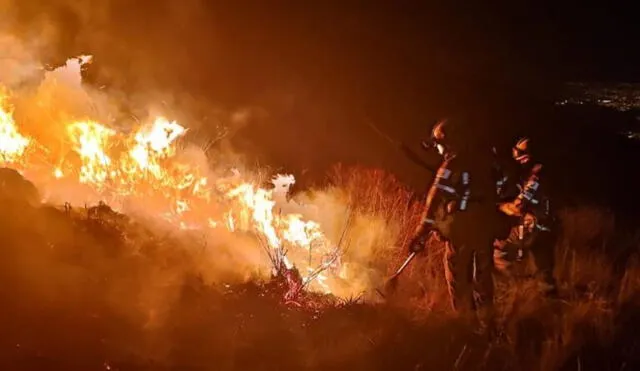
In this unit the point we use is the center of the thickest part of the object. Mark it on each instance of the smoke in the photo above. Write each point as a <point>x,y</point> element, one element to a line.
<point>44,102</point>
<point>360,235</point>
<point>147,278</point>
<point>17,62</point>
<point>364,239</point>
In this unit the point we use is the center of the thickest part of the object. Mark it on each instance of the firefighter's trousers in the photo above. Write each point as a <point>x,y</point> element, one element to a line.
<point>531,255</point>
<point>468,273</point>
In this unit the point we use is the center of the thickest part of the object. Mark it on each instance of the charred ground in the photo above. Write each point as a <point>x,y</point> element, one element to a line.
<point>92,289</point>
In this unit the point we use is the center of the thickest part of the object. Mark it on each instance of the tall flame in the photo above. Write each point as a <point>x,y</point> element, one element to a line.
<point>12,144</point>
<point>90,141</point>
<point>144,166</point>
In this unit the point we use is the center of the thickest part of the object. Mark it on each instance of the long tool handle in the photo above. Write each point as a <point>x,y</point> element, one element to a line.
<point>404,265</point>
<point>391,282</point>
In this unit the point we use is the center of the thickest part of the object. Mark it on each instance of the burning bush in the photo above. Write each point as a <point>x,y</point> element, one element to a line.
<point>151,172</point>
<point>185,279</point>
<point>125,292</point>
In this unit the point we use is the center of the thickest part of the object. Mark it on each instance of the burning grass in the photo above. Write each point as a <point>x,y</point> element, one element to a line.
<point>185,279</point>
<point>91,288</point>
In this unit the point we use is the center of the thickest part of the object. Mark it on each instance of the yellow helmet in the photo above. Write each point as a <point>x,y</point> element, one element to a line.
<point>438,132</point>
<point>442,136</point>
<point>521,151</point>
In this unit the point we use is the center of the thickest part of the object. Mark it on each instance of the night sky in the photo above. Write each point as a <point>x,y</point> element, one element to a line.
<point>323,71</point>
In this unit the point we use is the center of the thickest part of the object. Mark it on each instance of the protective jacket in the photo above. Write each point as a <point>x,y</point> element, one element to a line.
<point>470,228</point>
<point>463,190</point>
<point>534,230</point>
<point>449,192</point>
<point>533,196</point>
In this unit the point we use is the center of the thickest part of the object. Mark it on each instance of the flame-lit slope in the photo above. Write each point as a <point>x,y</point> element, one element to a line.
<point>143,168</point>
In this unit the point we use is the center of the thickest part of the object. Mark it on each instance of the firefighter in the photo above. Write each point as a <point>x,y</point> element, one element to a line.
<point>533,233</point>
<point>460,209</point>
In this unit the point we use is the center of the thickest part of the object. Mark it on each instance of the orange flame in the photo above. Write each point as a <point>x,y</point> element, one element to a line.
<point>144,165</point>
<point>90,140</point>
<point>12,144</point>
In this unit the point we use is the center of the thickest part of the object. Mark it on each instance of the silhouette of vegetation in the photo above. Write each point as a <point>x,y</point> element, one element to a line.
<point>89,289</point>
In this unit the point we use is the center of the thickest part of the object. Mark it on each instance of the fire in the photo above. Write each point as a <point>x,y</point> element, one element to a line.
<point>258,202</point>
<point>300,232</point>
<point>153,143</point>
<point>144,167</point>
<point>12,144</point>
<point>289,236</point>
<point>90,141</point>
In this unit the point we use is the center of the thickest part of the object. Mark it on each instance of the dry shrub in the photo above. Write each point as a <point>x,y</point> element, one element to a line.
<point>374,192</point>
<point>630,284</point>
<point>155,305</point>
<point>581,250</point>
<point>544,333</point>
<point>377,193</point>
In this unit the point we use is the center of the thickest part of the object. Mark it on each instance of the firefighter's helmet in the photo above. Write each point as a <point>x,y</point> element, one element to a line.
<point>438,132</point>
<point>444,137</point>
<point>521,151</point>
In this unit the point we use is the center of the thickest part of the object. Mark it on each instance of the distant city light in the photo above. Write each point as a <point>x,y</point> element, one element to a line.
<point>621,97</point>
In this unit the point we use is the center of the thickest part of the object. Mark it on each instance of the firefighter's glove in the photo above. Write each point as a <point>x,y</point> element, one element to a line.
<point>418,243</point>
<point>437,235</point>
<point>511,208</point>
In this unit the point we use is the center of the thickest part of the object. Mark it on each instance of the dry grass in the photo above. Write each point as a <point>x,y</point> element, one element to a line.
<point>593,296</point>
<point>79,294</point>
